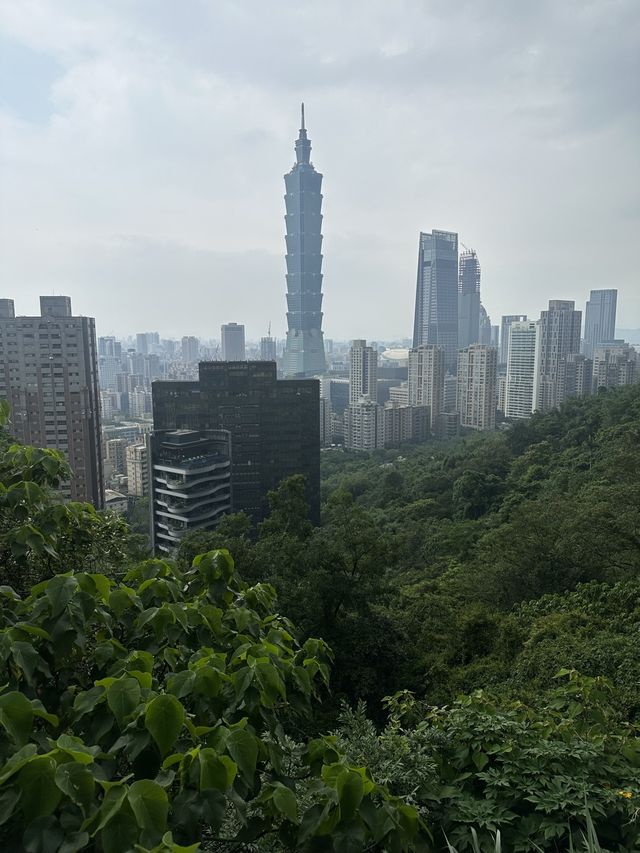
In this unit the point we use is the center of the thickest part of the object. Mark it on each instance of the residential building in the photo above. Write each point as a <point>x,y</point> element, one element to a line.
<point>364,425</point>
<point>477,386</point>
<point>559,335</point>
<point>274,426</point>
<point>450,396</point>
<point>405,423</point>
<point>575,376</point>
<point>436,308</point>
<point>326,435</point>
<point>520,385</point>
<point>116,455</point>
<point>614,364</point>
<point>49,376</point>
<point>363,372</point>
<point>190,484</point>
<point>399,394</point>
<point>468,299</point>
<point>599,320</point>
<point>138,476</point>
<point>425,385</point>
<point>505,322</point>
<point>190,349</point>
<point>502,392</point>
<point>304,349</point>
<point>115,501</point>
<point>232,340</point>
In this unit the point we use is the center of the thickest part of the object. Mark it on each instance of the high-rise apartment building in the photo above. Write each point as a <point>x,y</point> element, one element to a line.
<point>436,309</point>
<point>49,375</point>
<point>468,299</point>
<point>190,349</point>
<point>274,426</point>
<point>505,322</point>
<point>559,335</point>
<point>364,425</point>
<point>615,364</point>
<point>599,320</point>
<point>232,340</point>
<point>138,474</point>
<point>363,372</point>
<point>575,376</point>
<point>304,350</point>
<point>425,385</point>
<point>477,386</point>
<point>521,380</point>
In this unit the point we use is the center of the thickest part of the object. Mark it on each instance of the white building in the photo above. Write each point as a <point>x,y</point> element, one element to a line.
<point>363,372</point>
<point>137,456</point>
<point>364,425</point>
<point>426,379</point>
<point>477,386</point>
<point>520,390</point>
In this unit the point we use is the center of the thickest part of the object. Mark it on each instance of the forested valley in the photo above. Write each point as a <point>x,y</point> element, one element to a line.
<point>450,661</point>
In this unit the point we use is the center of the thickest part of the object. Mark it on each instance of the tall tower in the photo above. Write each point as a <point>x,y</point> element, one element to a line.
<point>469,299</point>
<point>436,312</point>
<point>304,349</point>
<point>559,336</point>
<point>600,320</point>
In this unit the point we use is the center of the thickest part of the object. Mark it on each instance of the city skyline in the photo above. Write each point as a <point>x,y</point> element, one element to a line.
<point>154,169</point>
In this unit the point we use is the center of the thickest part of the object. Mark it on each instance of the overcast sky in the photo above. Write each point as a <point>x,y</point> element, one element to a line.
<point>144,144</point>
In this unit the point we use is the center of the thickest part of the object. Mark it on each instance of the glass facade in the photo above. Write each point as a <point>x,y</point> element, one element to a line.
<point>436,311</point>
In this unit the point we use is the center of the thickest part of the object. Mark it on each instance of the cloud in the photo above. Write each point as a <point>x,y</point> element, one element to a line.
<point>143,148</point>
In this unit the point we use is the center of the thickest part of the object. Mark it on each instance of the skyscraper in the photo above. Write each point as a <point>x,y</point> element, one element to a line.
<point>274,426</point>
<point>49,375</point>
<point>190,349</point>
<point>304,349</point>
<point>363,372</point>
<point>468,299</point>
<point>520,392</point>
<point>477,386</point>
<point>436,310</point>
<point>559,335</point>
<point>599,320</point>
<point>426,380</point>
<point>232,339</point>
<point>506,321</point>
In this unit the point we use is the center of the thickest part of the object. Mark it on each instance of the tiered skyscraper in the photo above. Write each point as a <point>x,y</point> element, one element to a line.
<point>304,349</point>
<point>436,312</point>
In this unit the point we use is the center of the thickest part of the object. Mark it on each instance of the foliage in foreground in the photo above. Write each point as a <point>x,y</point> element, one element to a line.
<point>152,712</point>
<point>534,774</point>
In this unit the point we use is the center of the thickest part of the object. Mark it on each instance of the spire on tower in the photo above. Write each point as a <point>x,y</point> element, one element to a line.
<point>302,127</point>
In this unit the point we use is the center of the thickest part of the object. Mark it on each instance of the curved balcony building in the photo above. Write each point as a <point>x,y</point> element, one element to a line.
<point>191,483</point>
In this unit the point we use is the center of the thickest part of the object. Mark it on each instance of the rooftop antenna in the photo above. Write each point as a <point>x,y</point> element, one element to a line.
<point>302,127</point>
<point>269,330</point>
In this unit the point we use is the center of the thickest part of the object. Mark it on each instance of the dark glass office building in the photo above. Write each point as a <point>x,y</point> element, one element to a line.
<point>436,312</point>
<point>274,426</point>
<point>304,349</point>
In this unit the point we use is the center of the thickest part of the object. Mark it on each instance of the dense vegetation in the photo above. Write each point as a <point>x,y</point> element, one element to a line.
<point>488,586</point>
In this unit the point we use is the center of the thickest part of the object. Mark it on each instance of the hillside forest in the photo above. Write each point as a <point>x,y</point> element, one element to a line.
<point>450,661</point>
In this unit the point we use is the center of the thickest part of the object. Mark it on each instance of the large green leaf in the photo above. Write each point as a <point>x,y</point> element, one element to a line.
<point>16,715</point>
<point>8,802</point>
<point>350,795</point>
<point>60,589</point>
<point>123,697</point>
<point>150,805</point>
<point>43,835</point>
<point>285,801</point>
<point>216,771</point>
<point>243,748</point>
<point>36,780</point>
<point>77,782</point>
<point>164,719</point>
<point>120,833</point>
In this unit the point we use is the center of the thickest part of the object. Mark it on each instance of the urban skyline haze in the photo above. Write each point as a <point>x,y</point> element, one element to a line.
<point>143,155</point>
